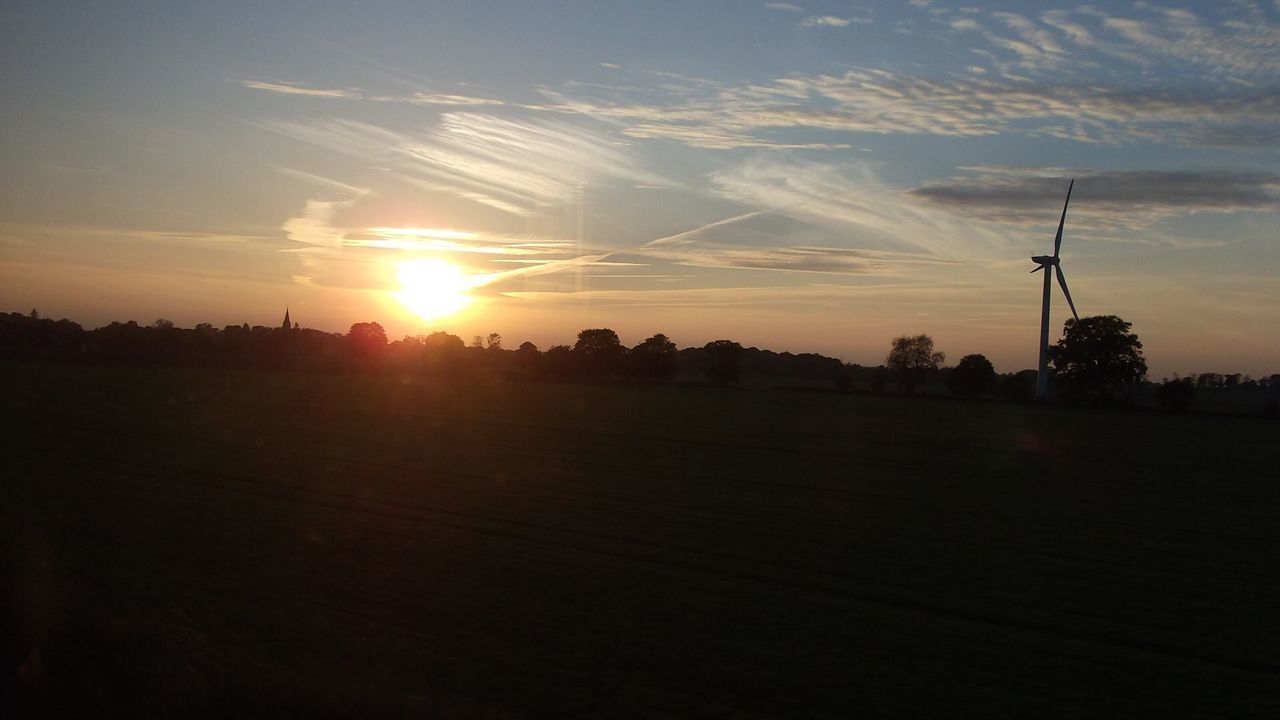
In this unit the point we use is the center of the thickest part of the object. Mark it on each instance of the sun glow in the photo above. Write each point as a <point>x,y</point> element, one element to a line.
<point>433,289</point>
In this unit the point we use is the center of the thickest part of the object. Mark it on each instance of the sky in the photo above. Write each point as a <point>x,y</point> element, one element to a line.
<point>811,177</point>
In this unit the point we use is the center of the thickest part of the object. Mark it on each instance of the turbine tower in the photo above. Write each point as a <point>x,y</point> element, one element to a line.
<point>1043,262</point>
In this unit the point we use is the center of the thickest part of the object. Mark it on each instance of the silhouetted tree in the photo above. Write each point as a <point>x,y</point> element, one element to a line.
<point>162,324</point>
<point>493,342</point>
<point>528,358</point>
<point>558,361</point>
<point>599,352</point>
<point>442,341</point>
<point>367,339</point>
<point>1019,386</point>
<point>1176,395</point>
<point>442,351</point>
<point>723,358</point>
<point>653,359</point>
<point>972,377</point>
<point>912,359</point>
<point>1097,359</point>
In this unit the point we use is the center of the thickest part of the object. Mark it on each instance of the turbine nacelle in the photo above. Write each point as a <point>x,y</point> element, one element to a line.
<point>1043,260</point>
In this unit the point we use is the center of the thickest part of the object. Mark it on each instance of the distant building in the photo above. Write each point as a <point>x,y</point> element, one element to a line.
<point>286,324</point>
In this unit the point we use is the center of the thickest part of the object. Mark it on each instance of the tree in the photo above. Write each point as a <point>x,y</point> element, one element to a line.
<point>441,341</point>
<point>442,351</point>
<point>599,351</point>
<point>724,359</point>
<point>367,338</point>
<point>1097,359</point>
<point>972,377</point>
<point>1176,395</point>
<point>558,361</point>
<point>528,358</point>
<point>653,359</point>
<point>912,359</point>
<point>1019,386</point>
<point>493,342</point>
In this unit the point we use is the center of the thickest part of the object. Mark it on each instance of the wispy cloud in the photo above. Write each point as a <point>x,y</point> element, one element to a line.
<point>415,98</point>
<point>509,164</point>
<point>784,7</point>
<point>1247,47</point>
<point>1191,81</point>
<point>885,102</point>
<point>284,88</point>
<point>824,21</point>
<point>796,259</point>
<point>20,234</point>
<point>454,241</point>
<point>865,212</point>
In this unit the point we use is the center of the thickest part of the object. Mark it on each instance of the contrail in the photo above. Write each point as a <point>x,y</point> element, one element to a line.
<point>484,279</point>
<point>558,265</point>
<point>684,236</point>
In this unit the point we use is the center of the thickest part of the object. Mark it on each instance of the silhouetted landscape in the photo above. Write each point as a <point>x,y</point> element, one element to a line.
<point>264,521</point>
<point>598,355</point>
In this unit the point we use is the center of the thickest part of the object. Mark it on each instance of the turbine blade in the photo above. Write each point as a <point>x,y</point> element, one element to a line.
<point>1063,282</point>
<point>1057,240</point>
<point>1038,269</point>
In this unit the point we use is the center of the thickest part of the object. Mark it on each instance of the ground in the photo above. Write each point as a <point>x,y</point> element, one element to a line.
<point>237,543</point>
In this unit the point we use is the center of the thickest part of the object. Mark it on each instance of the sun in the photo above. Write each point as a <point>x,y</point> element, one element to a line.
<point>431,288</point>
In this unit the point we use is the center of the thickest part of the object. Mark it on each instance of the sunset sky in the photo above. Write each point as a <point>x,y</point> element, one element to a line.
<point>811,177</point>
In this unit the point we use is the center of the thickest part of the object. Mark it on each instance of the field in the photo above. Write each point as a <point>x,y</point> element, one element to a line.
<point>246,543</point>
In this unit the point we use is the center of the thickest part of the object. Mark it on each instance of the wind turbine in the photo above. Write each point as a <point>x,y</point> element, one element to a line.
<point>1043,262</point>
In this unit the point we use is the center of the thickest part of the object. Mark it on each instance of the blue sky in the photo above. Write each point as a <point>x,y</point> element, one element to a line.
<point>809,176</point>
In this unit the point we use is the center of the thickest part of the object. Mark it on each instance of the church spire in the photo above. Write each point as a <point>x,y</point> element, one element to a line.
<point>286,324</point>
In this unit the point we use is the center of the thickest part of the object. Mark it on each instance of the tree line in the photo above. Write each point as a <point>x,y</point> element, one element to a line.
<point>1097,361</point>
<point>597,354</point>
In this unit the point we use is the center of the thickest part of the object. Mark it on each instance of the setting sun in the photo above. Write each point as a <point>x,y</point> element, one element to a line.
<point>432,288</point>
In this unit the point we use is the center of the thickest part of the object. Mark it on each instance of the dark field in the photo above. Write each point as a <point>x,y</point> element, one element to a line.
<point>244,543</point>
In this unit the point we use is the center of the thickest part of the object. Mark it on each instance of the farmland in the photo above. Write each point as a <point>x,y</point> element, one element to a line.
<point>233,542</point>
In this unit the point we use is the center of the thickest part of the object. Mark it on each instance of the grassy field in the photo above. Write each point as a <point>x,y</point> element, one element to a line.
<point>243,543</point>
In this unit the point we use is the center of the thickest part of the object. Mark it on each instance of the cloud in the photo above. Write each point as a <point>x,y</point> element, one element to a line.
<point>877,101</point>
<point>1235,136</point>
<point>824,21</point>
<point>1102,198</point>
<point>1246,44</point>
<point>784,7</point>
<point>1250,48</point>
<point>458,241</point>
<point>800,258</point>
<point>851,203</point>
<point>314,226</point>
<point>536,162</point>
<point>284,88</point>
<point>415,98</point>
<point>509,164</point>
<point>25,234</point>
